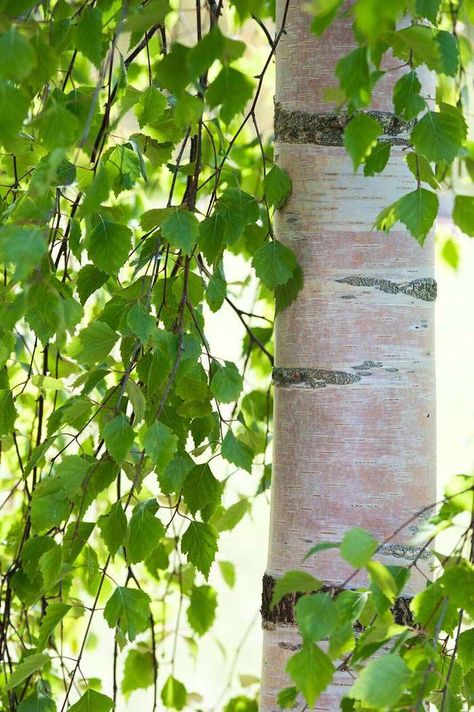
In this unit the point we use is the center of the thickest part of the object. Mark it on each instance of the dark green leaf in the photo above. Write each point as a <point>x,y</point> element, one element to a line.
<point>108,244</point>
<point>277,187</point>
<point>274,263</point>
<point>237,452</point>
<point>181,229</point>
<point>145,531</point>
<point>231,90</point>
<point>463,213</point>
<point>226,384</point>
<point>360,136</point>
<point>119,437</point>
<point>439,134</point>
<point>113,528</point>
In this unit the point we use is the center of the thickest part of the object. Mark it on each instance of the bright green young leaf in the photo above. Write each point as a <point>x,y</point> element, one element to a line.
<point>274,263</point>
<point>277,187</point>
<point>139,671</point>
<point>108,244</point>
<point>173,694</point>
<point>226,384</point>
<point>128,608</point>
<point>382,682</point>
<point>357,547</point>
<point>450,253</point>
<point>463,213</point>
<point>324,13</point>
<point>287,698</point>
<point>360,137</point>
<point>119,437</point>
<point>466,649</point>
<point>295,582</point>
<point>377,159</point>
<point>311,670</point>
<point>227,570</point>
<point>92,701</point>
<point>113,528</point>
<point>316,616</point>
<point>199,543</point>
<point>202,608</point>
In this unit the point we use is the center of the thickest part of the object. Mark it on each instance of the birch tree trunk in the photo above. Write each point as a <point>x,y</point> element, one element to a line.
<point>354,440</point>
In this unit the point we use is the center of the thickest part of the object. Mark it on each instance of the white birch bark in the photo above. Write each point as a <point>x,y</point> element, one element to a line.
<point>354,441</point>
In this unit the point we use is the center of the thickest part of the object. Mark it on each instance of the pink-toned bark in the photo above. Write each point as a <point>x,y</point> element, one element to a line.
<point>360,453</point>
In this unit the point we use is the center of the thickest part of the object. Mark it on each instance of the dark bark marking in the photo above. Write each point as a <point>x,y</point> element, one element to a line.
<point>399,551</point>
<point>284,611</point>
<point>313,377</point>
<point>424,288</point>
<point>327,129</point>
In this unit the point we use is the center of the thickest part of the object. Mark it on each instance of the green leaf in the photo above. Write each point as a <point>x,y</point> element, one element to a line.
<point>124,168</point>
<point>463,213</point>
<point>316,616</point>
<point>216,291</point>
<point>381,577</point>
<point>231,90</point>
<point>227,384</point>
<point>108,244</point>
<point>94,343</point>
<point>421,169</point>
<point>439,134</point>
<point>161,444</point>
<point>382,682</point>
<point>274,263</point>
<point>360,135</point>
<point>151,107</point>
<point>202,491</point>
<point>294,582</point>
<point>419,44</point>
<point>12,120</point>
<point>211,238</point>
<point>52,497</point>
<point>199,543</point>
<point>89,38</point>
<point>285,294</point>
<point>55,612</point>
<point>181,229</point>
<point>58,127</point>
<point>174,694</point>
<point>357,547</point>
<point>39,701</point>
<point>140,322</point>
<point>96,193</point>
<point>323,15</point>
<point>145,531</point>
<point>428,9</point>
<point>311,670</point>
<point>433,611</point>
<point>23,247</point>
<point>92,701</point>
<point>8,413</point>
<point>418,211</point>
<point>175,474</point>
<point>17,57</point>
<point>113,528</point>
<point>458,584</point>
<point>227,570</point>
<point>323,546</point>
<point>354,77</point>
<point>139,670</point>
<point>128,608</point>
<point>287,698</point>
<point>119,437</point>
<point>27,667</point>
<point>237,452</point>
<point>377,159</point>
<point>202,608</point>
<point>450,253</point>
<point>277,187</point>
<point>466,649</point>
<point>89,280</point>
